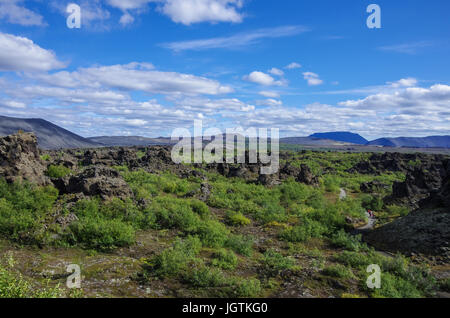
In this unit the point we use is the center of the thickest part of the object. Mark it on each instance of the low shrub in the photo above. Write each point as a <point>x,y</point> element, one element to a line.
<point>213,233</point>
<point>205,277</point>
<point>13,285</point>
<point>56,172</point>
<point>237,219</point>
<point>246,288</point>
<point>303,232</point>
<point>101,234</point>
<point>174,260</point>
<point>274,263</point>
<point>396,210</point>
<point>240,244</point>
<point>349,242</point>
<point>225,259</point>
<point>338,271</point>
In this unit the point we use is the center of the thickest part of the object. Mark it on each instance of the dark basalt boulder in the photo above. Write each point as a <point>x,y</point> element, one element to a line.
<point>95,181</point>
<point>422,231</point>
<point>420,184</point>
<point>425,230</point>
<point>20,159</point>
<point>306,176</point>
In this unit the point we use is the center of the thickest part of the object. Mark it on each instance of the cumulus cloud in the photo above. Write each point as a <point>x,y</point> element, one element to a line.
<point>417,100</point>
<point>313,79</point>
<point>269,94</point>
<point>276,71</point>
<point>137,77</point>
<point>22,54</point>
<point>405,82</point>
<point>194,11</point>
<point>293,66</point>
<point>271,102</point>
<point>236,41</point>
<point>262,79</point>
<point>14,12</point>
<point>186,12</point>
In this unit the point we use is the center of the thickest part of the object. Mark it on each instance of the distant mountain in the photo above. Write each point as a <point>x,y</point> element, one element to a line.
<point>410,142</point>
<point>49,135</point>
<point>311,141</point>
<point>128,141</point>
<point>342,136</point>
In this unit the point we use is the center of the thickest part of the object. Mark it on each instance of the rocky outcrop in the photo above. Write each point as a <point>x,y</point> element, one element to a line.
<point>420,185</point>
<point>96,181</point>
<point>379,163</point>
<point>306,176</point>
<point>20,159</point>
<point>425,230</point>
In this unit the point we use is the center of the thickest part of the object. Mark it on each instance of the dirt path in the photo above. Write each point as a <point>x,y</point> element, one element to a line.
<point>370,225</point>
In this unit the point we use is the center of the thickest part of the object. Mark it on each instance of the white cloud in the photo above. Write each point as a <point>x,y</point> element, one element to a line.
<point>293,66</point>
<point>405,82</point>
<point>276,71</point>
<point>186,12</point>
<point>194,11</point>
<point>269,102</point>
<point>13,12</point>
<point>21,54</point>
<point>12,104</point>
<point>313,79</point>
<point>407,48</point>
<point>434,101</point>
<point>211,106</point>
<point>126,19</point>
<point>236,41</point>
<point>269,94</point>
<point>128,4</point>
<point>262,79</point>
<point>137,77</point>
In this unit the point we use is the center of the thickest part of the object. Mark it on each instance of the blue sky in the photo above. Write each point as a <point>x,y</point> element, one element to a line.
<point>140,67</point>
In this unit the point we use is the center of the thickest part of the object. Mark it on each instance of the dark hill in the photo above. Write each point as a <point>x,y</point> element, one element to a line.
<point>49,135</point>
<point>426,142</point>
<point>342,136</point>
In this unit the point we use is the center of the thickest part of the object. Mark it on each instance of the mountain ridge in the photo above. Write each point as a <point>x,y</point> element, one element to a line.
<point>51,136</point>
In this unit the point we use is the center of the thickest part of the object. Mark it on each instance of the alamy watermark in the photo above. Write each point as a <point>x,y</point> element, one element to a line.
<point>74,19</point>
<point>374,280</point>
<point>374,19</point>
<point>74,280</point>
<point>192,149</point>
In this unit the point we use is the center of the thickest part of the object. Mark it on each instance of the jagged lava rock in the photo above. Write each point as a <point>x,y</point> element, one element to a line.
<point>20,159</point>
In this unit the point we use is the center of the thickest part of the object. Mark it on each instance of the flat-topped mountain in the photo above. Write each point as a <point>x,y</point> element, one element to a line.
<point>342,136</point>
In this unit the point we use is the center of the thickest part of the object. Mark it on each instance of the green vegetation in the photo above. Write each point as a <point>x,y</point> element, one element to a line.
<point>56,172</point>
<point>244,241</point>
<point>45,157</point>
<point>338,271</point>
<point>23,210</point>
<point>274,263</point>
<point>13,285</point>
